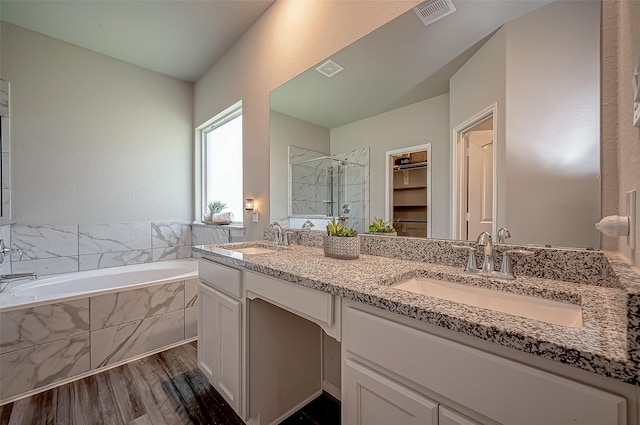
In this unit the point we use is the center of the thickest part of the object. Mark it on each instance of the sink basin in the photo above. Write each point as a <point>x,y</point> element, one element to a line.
<point>555,312</point>
<point>253,250</point>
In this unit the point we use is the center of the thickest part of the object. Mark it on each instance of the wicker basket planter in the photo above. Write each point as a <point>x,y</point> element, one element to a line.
<point>341,247</point>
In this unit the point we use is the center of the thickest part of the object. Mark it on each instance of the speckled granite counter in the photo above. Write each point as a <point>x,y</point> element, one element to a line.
<point>606,344</point>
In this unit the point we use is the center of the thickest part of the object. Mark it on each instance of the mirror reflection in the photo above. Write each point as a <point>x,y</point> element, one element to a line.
<point>505,95</point>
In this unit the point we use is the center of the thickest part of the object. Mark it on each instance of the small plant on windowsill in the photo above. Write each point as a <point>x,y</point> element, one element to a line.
<point>341,242</point>
<point>215,214</point>
<point>379,226</point>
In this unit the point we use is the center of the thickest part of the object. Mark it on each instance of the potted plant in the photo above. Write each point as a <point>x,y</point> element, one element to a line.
<point>379,226</point>
<point>341,242</point>
<point>215,215</point>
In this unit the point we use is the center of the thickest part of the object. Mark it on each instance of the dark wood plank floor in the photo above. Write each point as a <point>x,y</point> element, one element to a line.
<point>164,389</point>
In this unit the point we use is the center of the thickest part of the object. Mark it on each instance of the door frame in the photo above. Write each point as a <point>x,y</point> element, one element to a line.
<point>388,181</point>
<point>459,173</point>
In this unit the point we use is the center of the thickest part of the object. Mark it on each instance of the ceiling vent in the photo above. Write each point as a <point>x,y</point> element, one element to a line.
<point>432,10</point>
<point>329,68</point>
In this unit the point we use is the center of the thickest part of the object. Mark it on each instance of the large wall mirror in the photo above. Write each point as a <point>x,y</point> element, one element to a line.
<point>532,66</point>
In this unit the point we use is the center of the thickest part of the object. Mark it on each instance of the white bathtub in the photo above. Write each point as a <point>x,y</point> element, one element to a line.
<point>70,286</point>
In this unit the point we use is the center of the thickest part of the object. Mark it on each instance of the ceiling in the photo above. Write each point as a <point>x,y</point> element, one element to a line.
<point>400,63</point>
<point>179,38</point>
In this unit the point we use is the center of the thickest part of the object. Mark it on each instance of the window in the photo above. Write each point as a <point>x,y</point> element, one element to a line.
<point>222,162</point>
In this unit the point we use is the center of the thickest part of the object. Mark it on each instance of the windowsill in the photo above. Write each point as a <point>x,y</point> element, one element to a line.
<point>232,225</point>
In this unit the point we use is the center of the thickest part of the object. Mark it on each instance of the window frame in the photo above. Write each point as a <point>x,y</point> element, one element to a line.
<point>200,157</point>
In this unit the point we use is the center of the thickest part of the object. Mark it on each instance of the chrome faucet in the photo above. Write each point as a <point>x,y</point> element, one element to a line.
<point>6,251</point>
<point>503,235</point>
<point>307,225</point>
<point>281,236</point>
<point>484,239</point>
<point>8,278</point>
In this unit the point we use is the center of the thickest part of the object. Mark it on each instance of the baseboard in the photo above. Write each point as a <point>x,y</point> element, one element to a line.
<point>332,390</point>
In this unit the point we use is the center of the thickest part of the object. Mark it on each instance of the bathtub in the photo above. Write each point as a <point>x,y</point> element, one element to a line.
<point>62,328</point>
<point>24,293</point>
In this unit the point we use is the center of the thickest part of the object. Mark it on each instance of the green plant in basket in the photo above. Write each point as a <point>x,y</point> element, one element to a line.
<point>336,229</point>
<point>380,226</point>
<point>216,207</point>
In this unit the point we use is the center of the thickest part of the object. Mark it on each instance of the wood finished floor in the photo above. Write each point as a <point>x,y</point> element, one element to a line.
<point>164,389</point>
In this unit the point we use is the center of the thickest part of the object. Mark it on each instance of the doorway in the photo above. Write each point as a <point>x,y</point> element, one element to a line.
<point>474,168</point>
<point>408,190</point>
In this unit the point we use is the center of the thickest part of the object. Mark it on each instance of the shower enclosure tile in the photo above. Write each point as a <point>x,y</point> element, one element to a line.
<point>114,237</point>
<point>40,242</point>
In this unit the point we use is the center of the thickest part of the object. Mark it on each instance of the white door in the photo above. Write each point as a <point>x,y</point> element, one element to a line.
<point>372,399</point>
<point>227,371</point>
<point>480,183</point>
<point>206,323</point>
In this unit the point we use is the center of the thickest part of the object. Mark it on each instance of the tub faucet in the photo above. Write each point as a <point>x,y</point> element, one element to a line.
<point>6,251</point>
<point>281,235</point>
<point>8,278</point>
<point>484,239</point>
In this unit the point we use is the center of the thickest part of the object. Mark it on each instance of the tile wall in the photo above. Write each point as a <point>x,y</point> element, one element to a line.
<point>54,249</point>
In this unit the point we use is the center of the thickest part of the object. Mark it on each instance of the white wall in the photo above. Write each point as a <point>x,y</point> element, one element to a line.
<point>94,139</point>
<point>289,38</point>
<point>285,131</point>
<point>476,86</point>
<point>553,136</point>
<point>419,123</point>
<point>548,141</point>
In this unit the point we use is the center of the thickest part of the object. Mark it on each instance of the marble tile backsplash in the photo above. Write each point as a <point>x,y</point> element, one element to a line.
<point>54,249</point>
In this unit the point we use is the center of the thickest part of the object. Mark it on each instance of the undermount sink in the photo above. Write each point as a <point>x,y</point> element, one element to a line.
<point>253,250</point>
<point>555,312</point>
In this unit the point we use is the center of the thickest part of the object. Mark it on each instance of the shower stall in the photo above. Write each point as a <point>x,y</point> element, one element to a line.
<point>327,187</point>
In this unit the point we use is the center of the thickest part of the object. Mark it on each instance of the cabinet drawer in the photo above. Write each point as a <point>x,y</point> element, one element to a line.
<point>309,302</point>
<point>519,394</point>
<point>219,276</point>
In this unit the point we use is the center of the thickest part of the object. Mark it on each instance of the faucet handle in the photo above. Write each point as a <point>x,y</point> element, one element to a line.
<point>472,266</point>
<point>503,235</point>
<point>506,269</point>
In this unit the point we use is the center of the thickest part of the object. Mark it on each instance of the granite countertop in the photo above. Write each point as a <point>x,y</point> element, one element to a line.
<point>599,346</point>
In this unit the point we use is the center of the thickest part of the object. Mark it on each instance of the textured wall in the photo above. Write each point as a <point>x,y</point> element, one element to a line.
<point>289,38</point>
<point>94,139</point>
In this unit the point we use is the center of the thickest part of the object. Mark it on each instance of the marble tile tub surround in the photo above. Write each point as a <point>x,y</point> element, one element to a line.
<point>570,265</point>
<point>54,249</point>
<point>64,339</point>
<point>600,345</point>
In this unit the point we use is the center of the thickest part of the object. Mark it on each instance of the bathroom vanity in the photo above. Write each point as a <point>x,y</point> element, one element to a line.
<point>410,358</point>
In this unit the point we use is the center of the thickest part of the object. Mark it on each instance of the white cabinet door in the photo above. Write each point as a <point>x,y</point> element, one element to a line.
<point>219,342</point>
<point>372,399</point>
<point>227,370</point>
<point>449,417</point>
<point>206,338</point>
